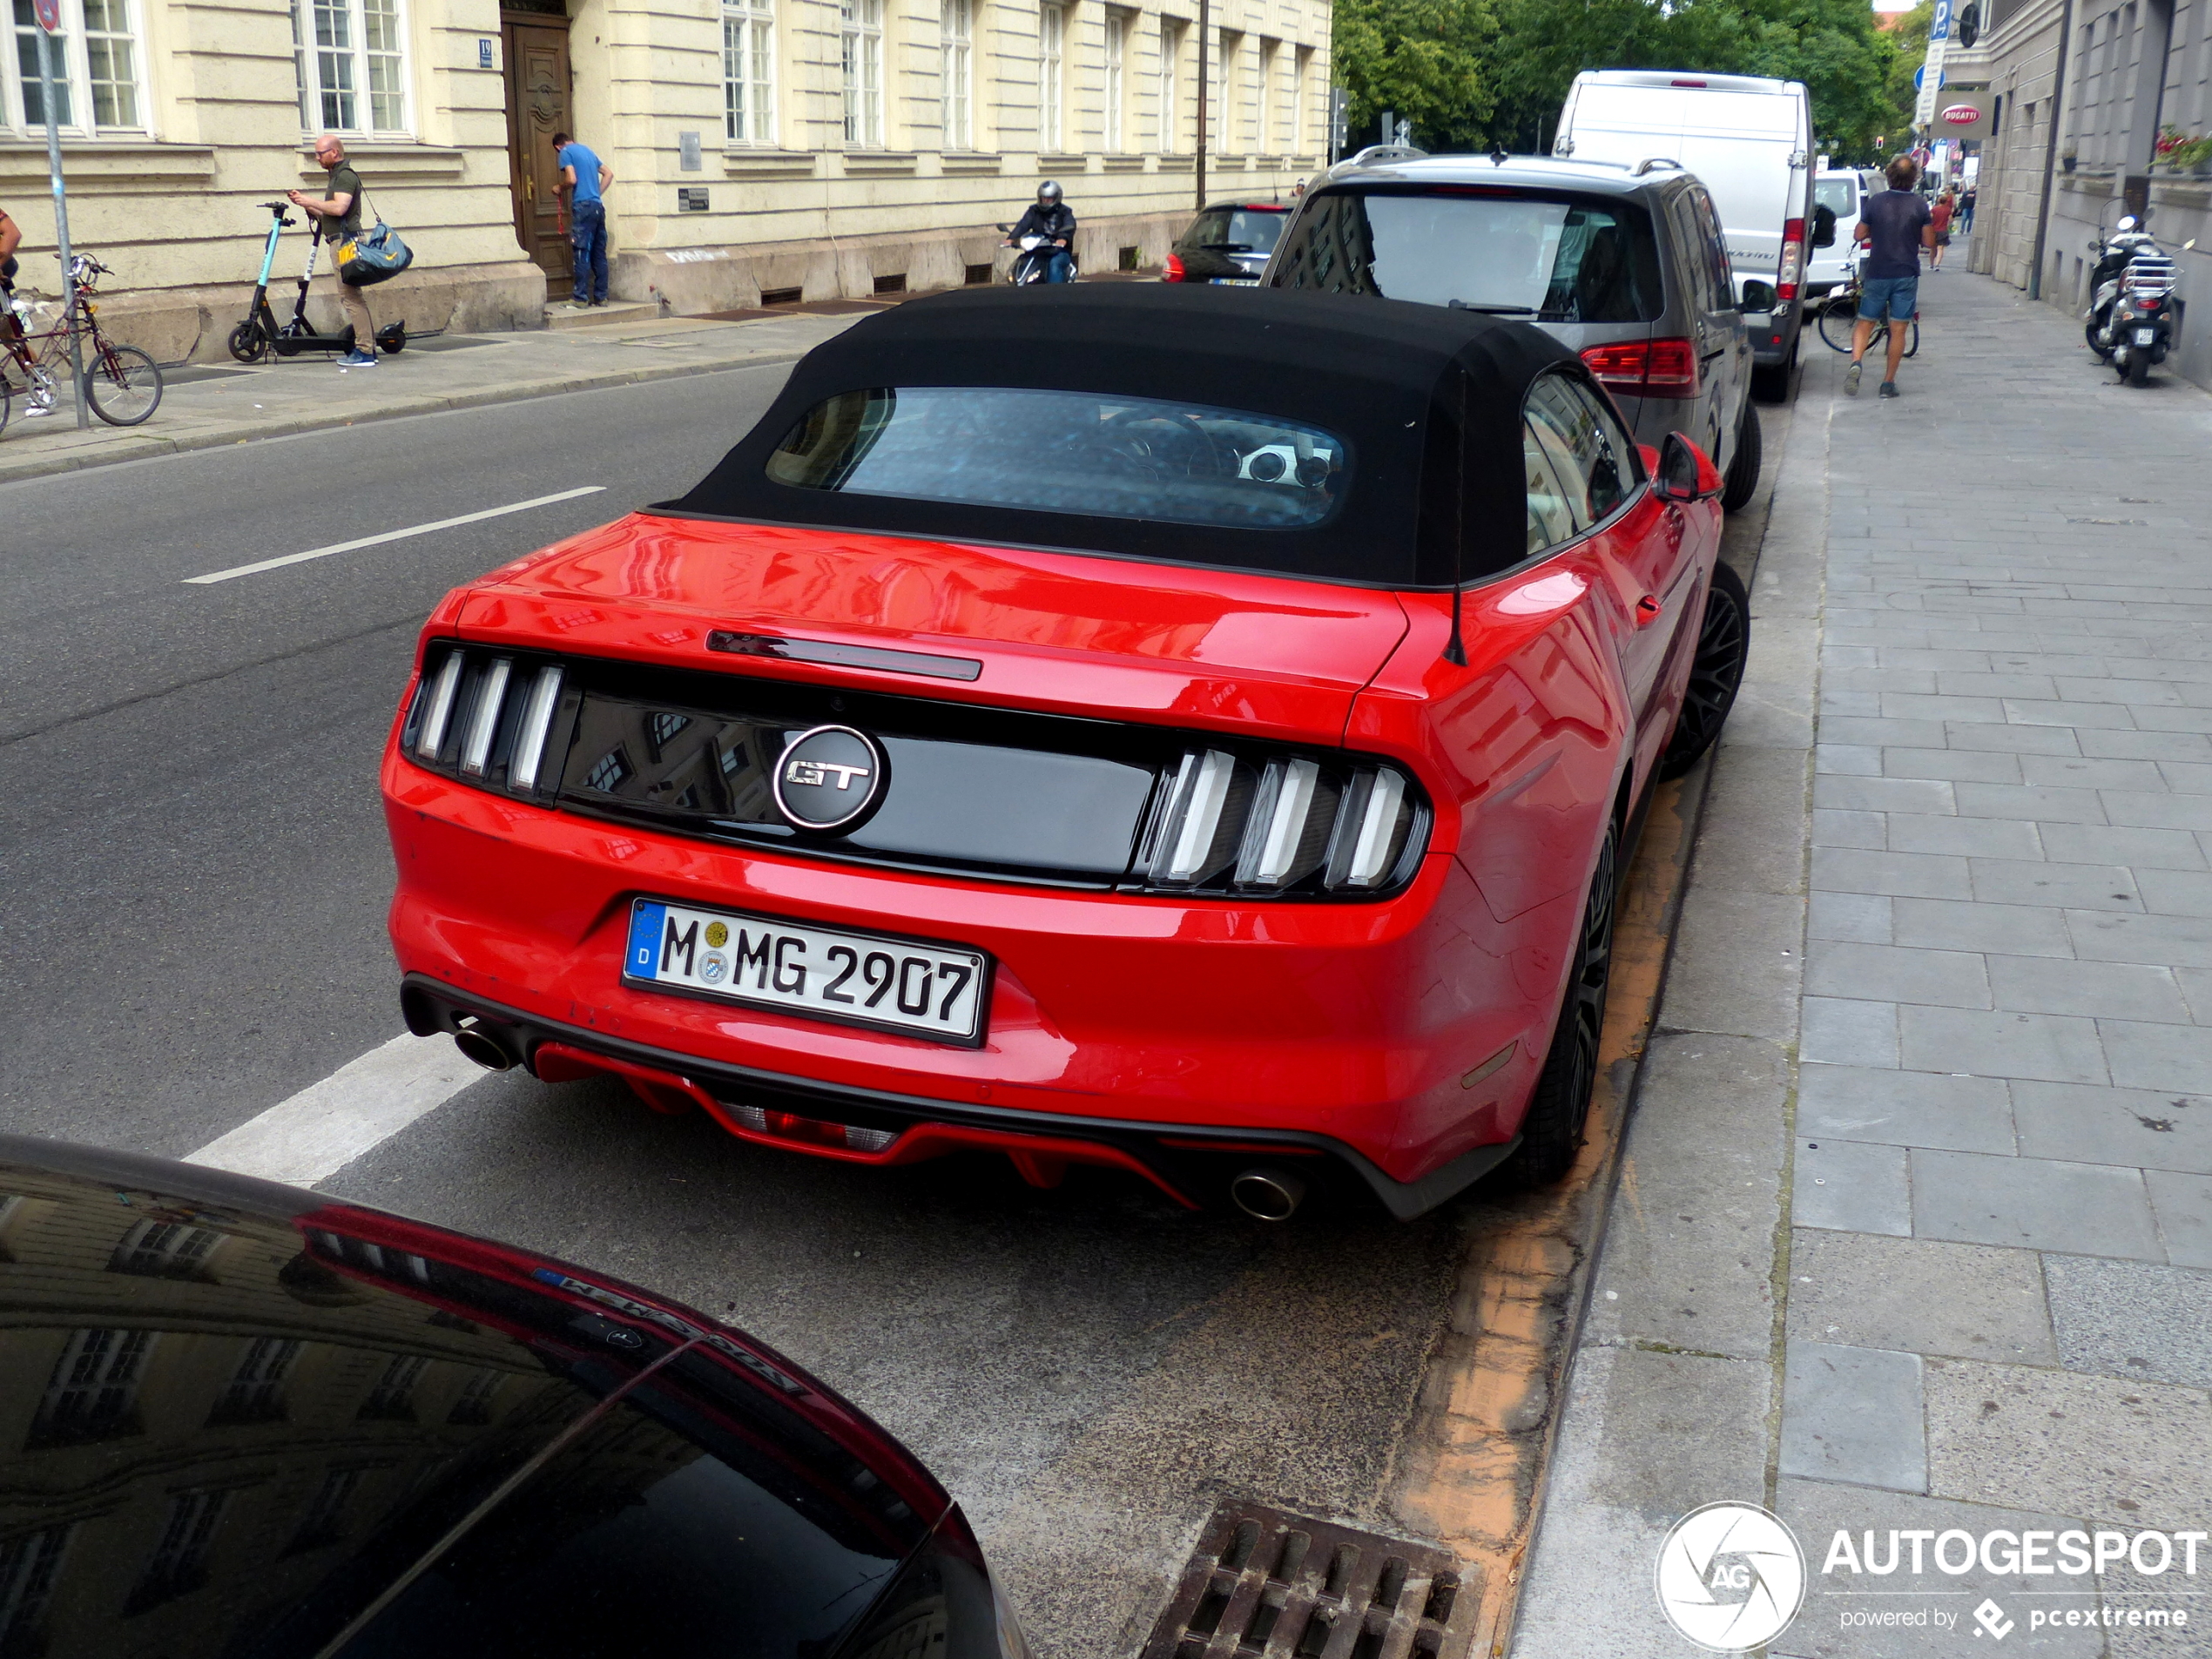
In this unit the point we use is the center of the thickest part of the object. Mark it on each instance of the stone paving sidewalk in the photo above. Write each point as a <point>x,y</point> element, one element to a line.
<point>1945,1264</point>
<point>205,405</point>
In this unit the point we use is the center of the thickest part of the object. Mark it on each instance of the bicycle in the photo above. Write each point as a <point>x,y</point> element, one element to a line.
<point>121,384</point>
<point>1838,320</point>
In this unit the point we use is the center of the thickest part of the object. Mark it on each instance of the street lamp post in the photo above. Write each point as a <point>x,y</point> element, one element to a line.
<point>49,14</point>
<point>1205,23</point>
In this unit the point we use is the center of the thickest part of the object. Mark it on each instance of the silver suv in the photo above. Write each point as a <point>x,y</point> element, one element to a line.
<point>1625,267</point>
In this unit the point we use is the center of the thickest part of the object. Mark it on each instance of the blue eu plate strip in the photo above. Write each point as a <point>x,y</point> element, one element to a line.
<point>645,923</point>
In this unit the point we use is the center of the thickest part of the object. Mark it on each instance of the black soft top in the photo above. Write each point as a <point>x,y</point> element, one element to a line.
<point>1427,401</point>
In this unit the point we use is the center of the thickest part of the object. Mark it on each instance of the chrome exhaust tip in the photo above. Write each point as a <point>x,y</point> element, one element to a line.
<point>486,1051</point>
<point>1268,1194</point>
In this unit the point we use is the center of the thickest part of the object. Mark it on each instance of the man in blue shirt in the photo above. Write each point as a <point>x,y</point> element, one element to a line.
<point>585,179</point>
<point>1895,224</point>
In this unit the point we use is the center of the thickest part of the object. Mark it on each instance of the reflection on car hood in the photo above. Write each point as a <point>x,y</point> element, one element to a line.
<point>237,1420</point>
<point>1058,630</point>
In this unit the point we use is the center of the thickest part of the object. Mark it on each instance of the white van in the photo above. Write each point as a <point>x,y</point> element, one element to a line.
<point>1842,191</point>
<point>1750,142</point>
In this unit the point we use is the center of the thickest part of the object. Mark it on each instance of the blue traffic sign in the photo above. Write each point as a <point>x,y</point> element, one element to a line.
<point>1943,78</point>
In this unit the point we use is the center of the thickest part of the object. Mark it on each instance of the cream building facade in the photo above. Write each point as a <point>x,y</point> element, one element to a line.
<point>764,151</point>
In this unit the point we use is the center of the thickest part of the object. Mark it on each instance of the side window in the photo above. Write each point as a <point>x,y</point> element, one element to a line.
<point>1690,256</point>
<point>1716,244</point>
<point>1586,444</point>
<point>1551,518</point>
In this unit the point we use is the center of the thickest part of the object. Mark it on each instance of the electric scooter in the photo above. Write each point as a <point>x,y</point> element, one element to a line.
<point>260,333</point>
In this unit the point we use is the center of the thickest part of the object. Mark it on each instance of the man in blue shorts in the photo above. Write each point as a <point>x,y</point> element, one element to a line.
<point>1895,224</point>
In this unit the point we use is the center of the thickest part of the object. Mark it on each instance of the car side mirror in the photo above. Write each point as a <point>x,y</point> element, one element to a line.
<point>1824,227</point>
<point>1685,474</point>
<point>1759,296</point>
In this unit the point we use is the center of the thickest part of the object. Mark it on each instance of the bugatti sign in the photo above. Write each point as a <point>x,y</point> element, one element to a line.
<point>1962,115</point>
<point>1968,117</point>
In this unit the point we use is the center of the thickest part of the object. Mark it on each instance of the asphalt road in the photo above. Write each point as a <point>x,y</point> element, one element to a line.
<point>196,875</point>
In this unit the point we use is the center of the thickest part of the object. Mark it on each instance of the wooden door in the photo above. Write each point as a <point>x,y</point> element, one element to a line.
<point>536,54</point>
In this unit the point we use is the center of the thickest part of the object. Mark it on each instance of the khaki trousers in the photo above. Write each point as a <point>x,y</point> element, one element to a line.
<point>355,304</point>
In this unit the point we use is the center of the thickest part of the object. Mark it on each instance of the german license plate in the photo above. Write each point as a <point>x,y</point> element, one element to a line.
<point>856,979</point>
<point>2145,336</point>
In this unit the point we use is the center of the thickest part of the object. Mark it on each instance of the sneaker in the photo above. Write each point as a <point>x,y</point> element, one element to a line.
<point>1851,379</point>
<point>1889,388</point>
<point>358,359</point>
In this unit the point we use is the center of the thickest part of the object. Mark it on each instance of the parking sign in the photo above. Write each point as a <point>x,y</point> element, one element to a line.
<point>49,13</point>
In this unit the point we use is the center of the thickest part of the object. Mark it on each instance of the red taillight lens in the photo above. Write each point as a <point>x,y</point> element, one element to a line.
<point>813,1131</point>
<point>1646,368</point>
<point>1793,258</point>
<point>1174,273</point>
<point>2147,305</point>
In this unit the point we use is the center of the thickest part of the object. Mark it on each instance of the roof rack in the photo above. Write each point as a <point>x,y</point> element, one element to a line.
<point>1375,154</point>
<point>1650,163</point>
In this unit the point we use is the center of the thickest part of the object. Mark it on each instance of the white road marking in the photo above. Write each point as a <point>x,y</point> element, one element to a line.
<point>326,1125</point>
<point>388,536</point>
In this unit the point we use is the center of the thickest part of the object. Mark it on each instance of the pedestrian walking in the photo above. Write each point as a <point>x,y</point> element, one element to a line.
<point>11,239</point>
<point>340,209</point>
<point>1967,212</point>
<point>1894,225</point>
<point>1940,217</point>
<point>585,180</point>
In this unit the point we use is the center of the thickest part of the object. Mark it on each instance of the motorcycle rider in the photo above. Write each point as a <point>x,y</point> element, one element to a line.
<point>1050,217</point>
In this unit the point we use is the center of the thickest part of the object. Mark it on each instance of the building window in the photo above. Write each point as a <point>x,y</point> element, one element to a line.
<point>393,1398</point>
<point>96,61</point>
<point>28,1564</point>
<point>1171,86</point>
<point>93,1392</point>
<point>1294,103</point>
<point>1116,135</point>
<point>255,1392</point>
<point>351,61</point>
<point>164,1249</point>
<point>748,71</point>
<point>1262,93</point>
<point>473,1408</point>
<point>1221,120</point>
<point>1052,41</point>
<point>324,1520</point>
<point>179,1564</point>
<point>863,52</point>
<point>956,55</point>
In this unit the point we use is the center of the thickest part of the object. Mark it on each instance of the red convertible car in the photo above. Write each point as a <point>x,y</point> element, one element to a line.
<point>1191,732</point>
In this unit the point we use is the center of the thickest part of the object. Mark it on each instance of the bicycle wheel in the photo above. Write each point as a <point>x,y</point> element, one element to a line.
<point>6,398</point>
<point>1912,337</point>
<point>1837,319</point>
<point>123,385</point>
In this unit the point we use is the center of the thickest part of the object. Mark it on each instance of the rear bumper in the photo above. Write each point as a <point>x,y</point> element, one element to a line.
<point>1350,1028</point>
<point>1177,1158</point>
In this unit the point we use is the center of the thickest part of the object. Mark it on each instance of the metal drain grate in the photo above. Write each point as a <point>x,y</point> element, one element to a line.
<point>1264,1584</point>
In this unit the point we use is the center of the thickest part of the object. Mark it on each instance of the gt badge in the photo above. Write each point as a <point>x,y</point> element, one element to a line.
<point>830,778</point>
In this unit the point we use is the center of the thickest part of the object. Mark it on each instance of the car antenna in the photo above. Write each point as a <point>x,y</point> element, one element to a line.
<point>1499,155</point>
<point>1455,650</point>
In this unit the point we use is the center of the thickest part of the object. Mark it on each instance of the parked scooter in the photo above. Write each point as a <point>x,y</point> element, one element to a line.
<point>2145,314</point>
<point>260,333</point>
<point>1034,260</point>
<point>2113,255</point>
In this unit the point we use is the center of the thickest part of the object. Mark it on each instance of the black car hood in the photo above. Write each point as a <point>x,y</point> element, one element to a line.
<point>237,1420</point>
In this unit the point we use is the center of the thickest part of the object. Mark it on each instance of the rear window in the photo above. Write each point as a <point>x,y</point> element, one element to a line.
<point>1839,196</point>
<point>1237,230</point>
<point>1549,258</point>
<point>1082,453</point>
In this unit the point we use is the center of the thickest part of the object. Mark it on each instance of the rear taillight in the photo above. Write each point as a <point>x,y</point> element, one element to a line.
<point>485,715</point>
<point>1174,271</point>
<point>1793,260</point>
<point>1283,826</point>
<point>1646,368</point>
<point>813,1131</point>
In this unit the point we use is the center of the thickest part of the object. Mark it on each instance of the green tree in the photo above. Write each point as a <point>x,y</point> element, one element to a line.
<point>1424,59</point>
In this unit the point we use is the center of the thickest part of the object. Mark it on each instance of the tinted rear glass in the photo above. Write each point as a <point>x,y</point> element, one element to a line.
<point>1084,452</point>
<point>1552,258</point>
<point>1240,230</point>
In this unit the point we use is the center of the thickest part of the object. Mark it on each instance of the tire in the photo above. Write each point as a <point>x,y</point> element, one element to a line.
<point>1551,1134</point>
<point>2089,334</point>
<point>1744,465</point>
<point>7,400</point>
<point>123,386</point>
<point>1912,337</point>
<point>1773,383</point>
<point>247,343</point>
<point>2139,368</point>
<point>1716,673</point>
<point>1837,321</point>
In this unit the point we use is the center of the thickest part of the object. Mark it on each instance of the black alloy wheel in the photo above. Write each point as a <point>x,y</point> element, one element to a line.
<point>1551,1133</point>
<point>1744,465</point>
<point>247,343</point>
<point>1716,672</point>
